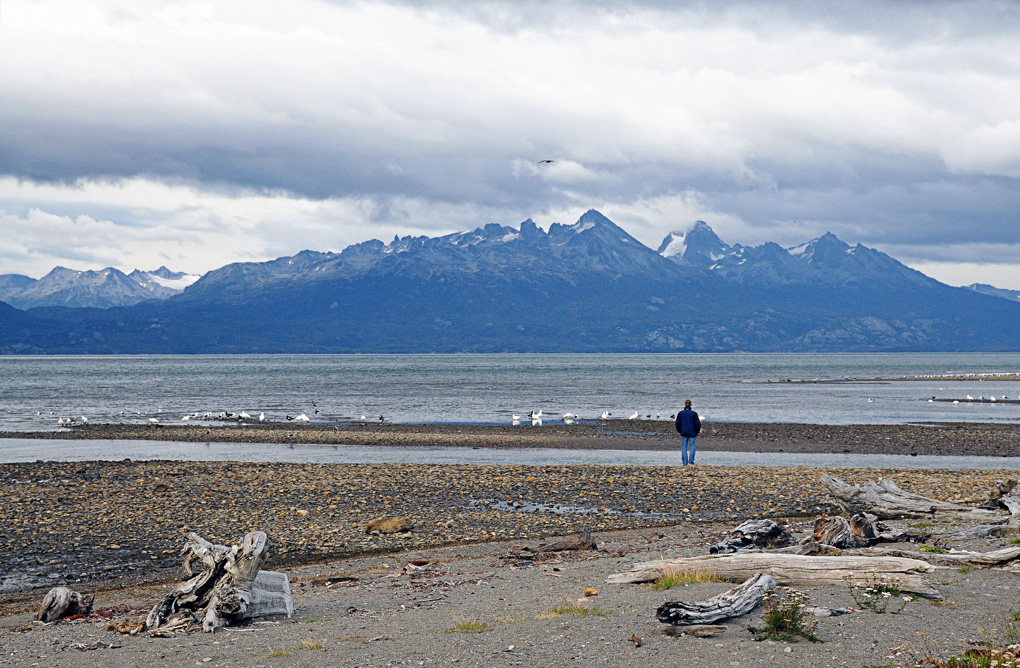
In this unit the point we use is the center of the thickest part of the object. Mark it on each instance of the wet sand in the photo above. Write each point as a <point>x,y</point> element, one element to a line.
<point>995,440</point>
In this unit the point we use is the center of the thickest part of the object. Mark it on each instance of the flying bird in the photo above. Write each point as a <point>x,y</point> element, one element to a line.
<point>546,162</point>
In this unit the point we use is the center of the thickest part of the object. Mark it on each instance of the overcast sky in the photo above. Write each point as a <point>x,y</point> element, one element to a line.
<point>194,134</point>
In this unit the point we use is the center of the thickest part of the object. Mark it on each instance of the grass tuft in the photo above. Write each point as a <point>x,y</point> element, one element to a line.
<point>469,626</point>
<point>581,610</point>
<point>672,578</point>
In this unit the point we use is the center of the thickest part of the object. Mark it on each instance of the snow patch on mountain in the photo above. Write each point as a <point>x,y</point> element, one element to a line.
<point>674,245</point>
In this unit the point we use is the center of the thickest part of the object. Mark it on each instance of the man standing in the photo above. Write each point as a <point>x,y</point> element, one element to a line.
<point>689,426</point>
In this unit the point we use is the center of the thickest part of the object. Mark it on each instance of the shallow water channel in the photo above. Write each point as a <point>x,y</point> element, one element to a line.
<point>30,450</point>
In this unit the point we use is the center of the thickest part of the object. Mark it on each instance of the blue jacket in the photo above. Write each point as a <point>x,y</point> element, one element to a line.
<point>688,423</point>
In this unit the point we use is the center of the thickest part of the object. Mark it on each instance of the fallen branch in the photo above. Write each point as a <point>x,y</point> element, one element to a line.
<point>733,603</point>
<point>907,575</point>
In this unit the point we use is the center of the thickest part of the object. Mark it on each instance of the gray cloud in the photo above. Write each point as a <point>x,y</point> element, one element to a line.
<point>892,124</point>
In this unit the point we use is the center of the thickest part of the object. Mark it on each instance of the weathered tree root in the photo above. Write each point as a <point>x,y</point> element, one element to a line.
<point>230,587</point>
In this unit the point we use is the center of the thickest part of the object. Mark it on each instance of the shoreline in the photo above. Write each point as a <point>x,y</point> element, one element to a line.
<point>943,438</point>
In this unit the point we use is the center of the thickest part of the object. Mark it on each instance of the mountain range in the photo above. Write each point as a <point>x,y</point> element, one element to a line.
<point>586,287</point>
<point>99,289</point>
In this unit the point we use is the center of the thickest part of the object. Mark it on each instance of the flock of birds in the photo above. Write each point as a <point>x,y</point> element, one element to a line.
<point>536,417</point>
<point>208,416</point>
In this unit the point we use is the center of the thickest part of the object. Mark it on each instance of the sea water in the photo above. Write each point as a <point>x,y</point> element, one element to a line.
<point>490,389</point>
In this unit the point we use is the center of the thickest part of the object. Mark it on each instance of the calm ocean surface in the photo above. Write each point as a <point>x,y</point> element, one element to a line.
<point>36,391</point>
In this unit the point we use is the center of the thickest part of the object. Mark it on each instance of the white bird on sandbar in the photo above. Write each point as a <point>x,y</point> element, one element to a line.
<point>569,416</point>
<point>243,415</point>
<point>535,416</point>
<point>60,422</point>
<point>956,402</point>
<point>185,418</point>
<point>635,416</point>
<point>992,398</point>
<point>970,398</point>
<point>302,418</point>
<point>515,419</point>
<point>262,417</point>
<point>153,421</point>
<point>605,415</point>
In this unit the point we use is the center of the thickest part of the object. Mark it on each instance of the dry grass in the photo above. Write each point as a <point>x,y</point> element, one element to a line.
<point>678,577</point>
<point>469,626</point>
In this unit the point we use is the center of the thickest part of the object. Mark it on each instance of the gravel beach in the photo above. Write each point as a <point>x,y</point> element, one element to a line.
<point>116,528</point>
<point>943,438</point>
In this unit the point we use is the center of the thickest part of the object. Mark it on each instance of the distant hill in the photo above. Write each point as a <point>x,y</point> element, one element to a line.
<point>586,287</point>
<point>985,289</point>
<point>91,289</point>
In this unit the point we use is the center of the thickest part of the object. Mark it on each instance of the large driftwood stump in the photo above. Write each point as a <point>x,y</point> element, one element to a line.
<point>230,587</point>
<point>887,501</point>
<point>858,531</point>
<point>61,602</point>
<point>907,575</point>
<point>733,603</point>
<point>757,533</point>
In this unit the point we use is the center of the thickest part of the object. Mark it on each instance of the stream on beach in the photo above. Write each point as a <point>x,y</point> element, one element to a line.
<point>30,450</point>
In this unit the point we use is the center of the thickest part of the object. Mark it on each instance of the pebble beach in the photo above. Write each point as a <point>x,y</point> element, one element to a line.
<point>104,526</point>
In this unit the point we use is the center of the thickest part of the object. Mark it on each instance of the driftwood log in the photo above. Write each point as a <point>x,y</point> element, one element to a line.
<point>907,575</point>
<point>887,501</point>
<point>586,543</point>
<point>756,533</point>
<point>229,587</point>
<point>61,602</point>
<point>1011,500</point>
<point>997,558</point>
<point>698,630</point>
<point>733,603</point>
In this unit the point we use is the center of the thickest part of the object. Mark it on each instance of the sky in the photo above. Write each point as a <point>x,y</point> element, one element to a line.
<point>195,134</point>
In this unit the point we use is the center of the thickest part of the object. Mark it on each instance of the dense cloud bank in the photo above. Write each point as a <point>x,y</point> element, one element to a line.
<point>194,134</point>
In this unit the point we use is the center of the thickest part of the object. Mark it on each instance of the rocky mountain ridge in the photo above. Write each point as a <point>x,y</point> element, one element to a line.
<point>586,287</point>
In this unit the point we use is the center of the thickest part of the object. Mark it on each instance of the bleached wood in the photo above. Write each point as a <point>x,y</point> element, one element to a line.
<point>1006,555</point>
<point>61,602</point>
<point>887,501</point>
<point>1011,501</point>
<point>732,603</point>
<point>907,575</point>
<point>229,587</point>
<point>757,533</point>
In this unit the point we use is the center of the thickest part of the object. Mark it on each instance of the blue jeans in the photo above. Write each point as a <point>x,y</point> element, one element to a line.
<point>684,440</point>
